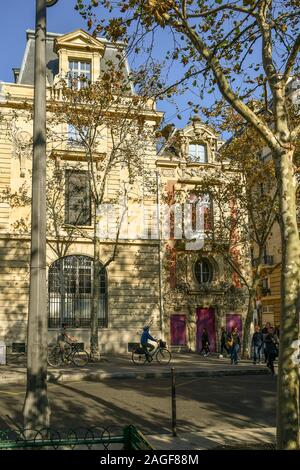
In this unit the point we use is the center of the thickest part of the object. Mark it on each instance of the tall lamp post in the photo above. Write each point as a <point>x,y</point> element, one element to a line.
<point>36,407</point>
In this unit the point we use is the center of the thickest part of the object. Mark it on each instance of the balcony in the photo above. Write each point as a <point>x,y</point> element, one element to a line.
<point>266,260</point>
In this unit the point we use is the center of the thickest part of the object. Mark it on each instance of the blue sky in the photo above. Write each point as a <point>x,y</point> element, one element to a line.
<point>18,15</point>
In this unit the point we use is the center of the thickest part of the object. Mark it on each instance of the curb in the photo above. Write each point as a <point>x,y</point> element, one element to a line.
<point>56,377</point>
<point>98,377</point>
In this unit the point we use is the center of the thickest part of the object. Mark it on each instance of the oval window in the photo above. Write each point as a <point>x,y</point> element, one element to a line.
<point>203,271</point>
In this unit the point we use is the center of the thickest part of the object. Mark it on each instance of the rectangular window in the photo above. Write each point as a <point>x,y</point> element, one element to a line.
<point>75,136</point>
<point>198,153</point>
<point>207,211</point>
<point>79,74</point>
<point>202,207</point>
<point>265,286</point>
<point>77,198</point>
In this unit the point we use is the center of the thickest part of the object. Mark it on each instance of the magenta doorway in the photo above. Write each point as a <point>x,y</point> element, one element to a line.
<point>205,318</point>
<point>234,320</point>
<point>178,330</point>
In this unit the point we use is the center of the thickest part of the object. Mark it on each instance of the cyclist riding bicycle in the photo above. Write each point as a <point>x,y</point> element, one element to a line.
<point>146,346</point>
<point>64,338</point>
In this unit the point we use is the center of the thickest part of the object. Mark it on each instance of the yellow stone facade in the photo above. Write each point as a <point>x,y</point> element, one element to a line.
<point>133,290</point>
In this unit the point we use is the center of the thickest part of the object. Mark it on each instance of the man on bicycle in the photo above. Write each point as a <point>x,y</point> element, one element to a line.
<point>63,339</point>
<point>146,346</point>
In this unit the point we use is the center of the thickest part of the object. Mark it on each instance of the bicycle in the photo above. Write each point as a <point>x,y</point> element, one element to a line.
<point>72,354</point>
<point>161,353</point>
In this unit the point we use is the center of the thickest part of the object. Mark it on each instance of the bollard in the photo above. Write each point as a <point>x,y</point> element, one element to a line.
<point>174,430</point>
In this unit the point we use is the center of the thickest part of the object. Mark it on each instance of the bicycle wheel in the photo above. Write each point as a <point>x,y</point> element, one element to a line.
<point>138,358</point>
<point>80,358</point>
<point>54,357</point>
<point>163,356</point>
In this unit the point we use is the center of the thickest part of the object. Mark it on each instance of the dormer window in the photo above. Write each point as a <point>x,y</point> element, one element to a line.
<point>79,73</point>
<point>198,153</point>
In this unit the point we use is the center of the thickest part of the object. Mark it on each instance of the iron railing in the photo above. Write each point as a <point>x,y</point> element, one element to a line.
<point>88,438</point>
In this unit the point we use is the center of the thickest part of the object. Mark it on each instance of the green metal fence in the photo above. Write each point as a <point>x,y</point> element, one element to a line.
<point>130,439</point>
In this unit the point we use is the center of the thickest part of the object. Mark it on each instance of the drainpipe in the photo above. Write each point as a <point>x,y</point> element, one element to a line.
<point>161,302</point>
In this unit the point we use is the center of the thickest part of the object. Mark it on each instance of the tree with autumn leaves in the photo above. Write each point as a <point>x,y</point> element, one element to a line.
<point>244,49</point>
<point>105,112</point>
<point>95,131</point>
<point>247,184</point>
<point>241,213</point>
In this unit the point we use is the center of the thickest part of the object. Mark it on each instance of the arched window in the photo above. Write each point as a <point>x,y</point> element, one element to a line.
<point>203,271</point>
<point>70,288</point>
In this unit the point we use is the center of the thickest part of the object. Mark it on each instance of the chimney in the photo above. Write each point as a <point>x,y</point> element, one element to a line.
<point>16,73</point>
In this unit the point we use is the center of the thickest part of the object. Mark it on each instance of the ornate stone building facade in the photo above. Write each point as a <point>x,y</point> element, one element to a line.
<point>153,279</point>
<point>129,290</point>
<point>200,289</point>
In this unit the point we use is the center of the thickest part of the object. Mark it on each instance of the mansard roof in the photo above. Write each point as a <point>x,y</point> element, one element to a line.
<point>26,76</point>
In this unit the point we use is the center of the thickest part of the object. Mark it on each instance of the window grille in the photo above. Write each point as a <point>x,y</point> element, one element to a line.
<point>70,289</point>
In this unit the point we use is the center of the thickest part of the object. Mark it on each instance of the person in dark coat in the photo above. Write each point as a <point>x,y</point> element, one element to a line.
<point>265,331</point>
<point>223,342</point>
<point>205,342</point>
<point>257,343</point>
<point>235,342</point>
<point>272,344</point>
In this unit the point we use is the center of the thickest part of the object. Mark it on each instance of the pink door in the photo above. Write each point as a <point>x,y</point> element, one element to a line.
<point>206,319</point>
<point>234,320</point>
<point>178,330</point>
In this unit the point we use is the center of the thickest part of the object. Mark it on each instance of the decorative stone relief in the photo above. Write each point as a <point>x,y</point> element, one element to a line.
<point>168,172</point>
<point>23,148</point>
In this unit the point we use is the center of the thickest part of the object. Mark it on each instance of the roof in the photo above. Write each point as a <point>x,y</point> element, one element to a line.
<point>26,76</point>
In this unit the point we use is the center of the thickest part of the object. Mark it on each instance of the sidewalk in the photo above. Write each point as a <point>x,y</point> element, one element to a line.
<point>247,438</point>
<point>114,367</point>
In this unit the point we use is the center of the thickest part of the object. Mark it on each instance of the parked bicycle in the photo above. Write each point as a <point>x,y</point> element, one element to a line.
<point>72,354</point>
<point>161,353</point>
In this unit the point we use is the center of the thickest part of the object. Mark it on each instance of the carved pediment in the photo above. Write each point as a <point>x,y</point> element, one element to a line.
<point>79,40</point>
<point>201,133</point>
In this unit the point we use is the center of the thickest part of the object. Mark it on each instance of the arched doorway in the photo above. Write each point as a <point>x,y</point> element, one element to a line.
<point>70,284</point>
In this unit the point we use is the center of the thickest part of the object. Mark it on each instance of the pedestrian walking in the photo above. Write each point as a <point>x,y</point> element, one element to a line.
<point>234,342</point>
<point>272,346</point>
<point>265,331</point>
<point>223,342</point>
<point>257,344</point>
<point>205,342</point>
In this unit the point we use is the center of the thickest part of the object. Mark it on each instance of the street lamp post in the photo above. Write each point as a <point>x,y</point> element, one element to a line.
<point>36,407</point>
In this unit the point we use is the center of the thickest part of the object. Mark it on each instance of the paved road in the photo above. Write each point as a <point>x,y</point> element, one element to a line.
<point>202,403</point>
